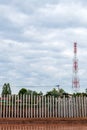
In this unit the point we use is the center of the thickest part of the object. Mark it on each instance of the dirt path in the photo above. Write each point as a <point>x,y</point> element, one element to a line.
<point>43,127</point>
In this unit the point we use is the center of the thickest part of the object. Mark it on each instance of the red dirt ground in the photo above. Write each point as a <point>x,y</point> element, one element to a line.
<point>43,124</point>
<point>43,127</point>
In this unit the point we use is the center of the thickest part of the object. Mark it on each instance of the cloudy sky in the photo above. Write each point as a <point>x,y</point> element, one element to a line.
<point>36,43</point>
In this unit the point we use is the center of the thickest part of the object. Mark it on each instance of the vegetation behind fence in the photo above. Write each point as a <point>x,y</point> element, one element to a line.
<point>30,106</point>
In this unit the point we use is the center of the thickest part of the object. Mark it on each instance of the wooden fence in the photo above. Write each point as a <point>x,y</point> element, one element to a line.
<point>30,106</point>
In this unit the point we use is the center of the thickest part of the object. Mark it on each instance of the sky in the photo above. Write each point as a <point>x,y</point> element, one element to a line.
<point>36,43</point>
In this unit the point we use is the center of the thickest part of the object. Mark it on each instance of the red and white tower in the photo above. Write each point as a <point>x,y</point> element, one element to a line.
<point>75,80</point>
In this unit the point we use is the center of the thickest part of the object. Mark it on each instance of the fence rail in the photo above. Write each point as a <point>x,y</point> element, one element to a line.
<point>30,106</point>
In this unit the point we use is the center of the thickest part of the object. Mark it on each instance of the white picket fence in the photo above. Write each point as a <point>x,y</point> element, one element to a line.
<point>30,106</point>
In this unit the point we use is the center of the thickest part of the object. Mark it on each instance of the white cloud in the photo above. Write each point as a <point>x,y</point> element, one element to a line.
<point>13,15</point>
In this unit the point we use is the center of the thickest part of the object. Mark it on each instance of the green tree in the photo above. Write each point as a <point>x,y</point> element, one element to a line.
<point>61,92</point>
<point>56,93</point>
<point>34,93</point>
<point>6,89</point>
<point>29,92</point>
<point>86,90</point>
<point>22,91</point>
<point>40,93</point>
<point>79,94</point>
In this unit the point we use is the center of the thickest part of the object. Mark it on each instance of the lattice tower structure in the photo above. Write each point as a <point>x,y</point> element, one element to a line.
<point>75,80</point>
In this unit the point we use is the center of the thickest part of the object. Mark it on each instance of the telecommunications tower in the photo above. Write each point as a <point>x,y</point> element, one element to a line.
<point>75,80</point>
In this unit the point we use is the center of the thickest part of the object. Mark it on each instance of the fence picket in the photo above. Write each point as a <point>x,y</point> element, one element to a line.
<point>37,106</point>
<point>77,110</point>
<point>12,107</point>
<point>42,106</point>
<point>45,104</point>
<point>26,106</point>
<point>1,108</point>
<point>48,106</point>
<point>34,107</point>
<point>82,106</point>
<point>85,106</point>
<point>56,108</point>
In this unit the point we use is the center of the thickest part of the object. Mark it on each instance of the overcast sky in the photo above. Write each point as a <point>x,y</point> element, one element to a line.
<point>36,43</point>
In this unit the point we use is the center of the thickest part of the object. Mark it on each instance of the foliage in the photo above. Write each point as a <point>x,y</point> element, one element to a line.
<point>65,95</point>
<point>86,90</point>
<point>6,89</point>
<point>29,92</point>
<point>56,93</point>
<point>22,91</point>
<point>79,94</point>
<point>52,93</point>
<point>40,93</point>
<point>61,92</point>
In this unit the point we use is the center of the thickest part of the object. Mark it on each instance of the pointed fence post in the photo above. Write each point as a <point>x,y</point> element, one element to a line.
<point>42,106</point>
<point>53,104</point>
<point>15,106</point>
<point>26,106</point>
<point>31,105</point>
<point>63,106</point>
<point>82,106</point>
<point>74,104</point>
<point>4,115</point>
<point>20,105</point>
<point>34,107</point>
<point>79,103</point>
<point>56,108</point>
<point>59,107</point>
<point>1,107</point>
<point>37,106</point>
<point>71,107</point>
<point>12,106</point>
<point>70,112</point>
<point>17,102</point>
<point>45,109</point>
<point>85,106</point>
<point>7,102</point>
<point>48,106</point>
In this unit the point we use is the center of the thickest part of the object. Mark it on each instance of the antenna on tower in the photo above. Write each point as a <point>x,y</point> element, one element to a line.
<point>75,80</point>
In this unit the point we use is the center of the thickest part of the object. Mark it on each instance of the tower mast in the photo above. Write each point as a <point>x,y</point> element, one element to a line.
<point>75,80</point>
